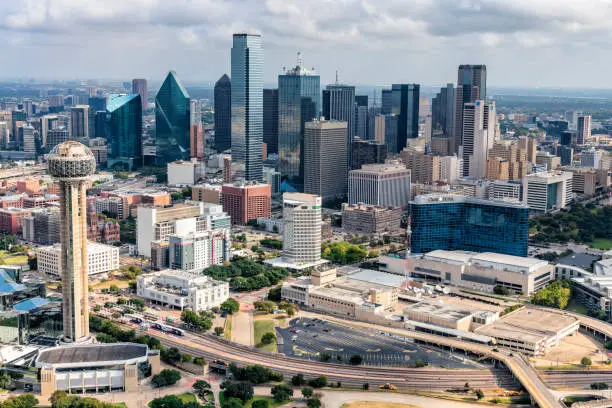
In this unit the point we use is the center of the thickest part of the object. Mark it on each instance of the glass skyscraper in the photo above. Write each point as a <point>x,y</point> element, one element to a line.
<point>339,104</point>
<point>405,105</point>
<point>172,121</point>
<point>270,119</point>
<point>124,131</point>
<point>471,86</point>
<point>247,104</point>
<point>299,101</point>
<point>223,113</point>
<point>452,222</point>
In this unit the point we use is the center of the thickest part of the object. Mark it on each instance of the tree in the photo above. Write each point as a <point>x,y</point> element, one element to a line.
<point>501,290</point>
<point>232,403</point>
<point>230,306</point>
<point>268,338</point>
<point>57,397</point>
<point>20,401</point>
<point>307,392</point>
<point>318,382</point>
<point>237,389</point>
<point>282,392</point>
<point>356,359</point>
<point>585,361</point>
<point>219,330</point>
<point>265,306</point>
<point>366,386</point>
<point>168,401</point>
<point>5,381</point>
<point>262,403</point>
<point>171,355</point>
<point>599,386</point>
<point>298,380</point>
<point>314,403</point>
<point>186,358</point>
<point>165,377</point>
<point>199,361</point>
<point>274,294</point>
<point>201,387</point>
<point>479,394</point>
<point>372,253</point>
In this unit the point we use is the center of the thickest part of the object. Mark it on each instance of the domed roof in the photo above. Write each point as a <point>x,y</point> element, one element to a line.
<point>71,159</point>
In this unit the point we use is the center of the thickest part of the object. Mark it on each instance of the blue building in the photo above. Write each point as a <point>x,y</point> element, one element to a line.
<point>453,222</point>
<point>172,122</point>
<point>299,101</point>
<point>223,113</point>
<point>247,104</point>
<point>405,105</point>
<point>123,126</point>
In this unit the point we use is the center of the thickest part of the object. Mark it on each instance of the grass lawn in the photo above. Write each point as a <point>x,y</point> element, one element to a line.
<point>187,397</point>
<point>260,327</point>
<point>227,330</point>
<point>572,306</point>
<point>371,404</point>
<point>602,243</point>
<point>107,284</point>
<point>17,258</point>
<point>572,399</point>
<point>273,403</point>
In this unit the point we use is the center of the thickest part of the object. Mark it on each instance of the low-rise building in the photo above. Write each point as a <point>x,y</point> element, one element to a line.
<point>482,271</point>
<point>449,316</point>
<point>584,180</point>
<point>180,290</point>
<point>368,219</point>
<point>594,292</point>
<point>100,259</point>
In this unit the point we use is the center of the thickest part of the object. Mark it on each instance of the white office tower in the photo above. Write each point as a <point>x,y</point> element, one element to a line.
<point>451,168</point>
<point>548,191</point>
<point>301,228</point>
<point>591,158</point>
<point>380,184</point>
<point>583,129</point>
<point>479,119</point>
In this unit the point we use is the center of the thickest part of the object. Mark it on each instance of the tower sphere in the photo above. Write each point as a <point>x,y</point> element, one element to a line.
<point>71,160</point>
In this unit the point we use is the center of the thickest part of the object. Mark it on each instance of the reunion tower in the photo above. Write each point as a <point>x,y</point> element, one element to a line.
<point>72,164</point>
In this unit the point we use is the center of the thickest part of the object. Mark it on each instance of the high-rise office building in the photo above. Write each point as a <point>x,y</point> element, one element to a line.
<point>325,151</point>
<point>26,138</point>
<point>471,86</point>
<point>299,101</point>
<point>223,113</point>
<point>583,129</point>
<point>591,158</point>
<point>443,110</point>
<point>79,121</point>
<point>172,121</point>
<point>566,154</point>
<point>55,137</point>
<point>339,104</point>
<point>139,86</point>
<point>454,222</point>
<point>380,184</point>
<point>361,116</point>
<point>196,134</point>
<point>97,103</point>
<point>531,147</point>
<point>301,228</point>
<point>548,191</point>
<point>247,105</point>
<point>47,123</point>
<point>72,164</point>
<point>246,201</point>
<point>478,135</point>
<point>124,131</point>
<point>424,168</point>
<point>386,102</point>
<point>405,105</point>
<point>368,152</point>
<point>270,119</point>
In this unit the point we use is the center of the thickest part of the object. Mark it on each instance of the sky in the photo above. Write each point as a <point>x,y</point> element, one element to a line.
<point>524,43</point>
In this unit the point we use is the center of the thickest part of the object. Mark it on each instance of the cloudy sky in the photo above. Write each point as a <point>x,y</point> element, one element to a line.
<point>545,43</point>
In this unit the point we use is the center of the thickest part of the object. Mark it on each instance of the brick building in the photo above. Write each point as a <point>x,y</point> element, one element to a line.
<point>244,202</point>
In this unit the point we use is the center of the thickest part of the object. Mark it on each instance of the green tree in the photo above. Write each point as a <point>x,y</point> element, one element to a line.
<point>165,377</point>
<point>170,355</point>
<point>298,380</point>
<point>307,392</point>
<point>282,392</point>
<point>237,389</point>
<point>262,403</point>
<point>501,290</point>
<point>199,361</point>
<point>268,338</point>
<point>265,306</point>
<point>479,394</point>
<point>186,358</point>
<point>168,401</point>
<point>356,359</point>
<point>230,306</point>
<point>20,401</point>
<point>314,403</point>
<point>219,330</point>
<point>5,381</point>
<point>232,403</point>
<point>318,382</point>
<point>201,387</point>
<point>585,361</point>
<point>557,294</point>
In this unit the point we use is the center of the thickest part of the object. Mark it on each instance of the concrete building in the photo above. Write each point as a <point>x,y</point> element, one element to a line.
<point>72,165</point>
<point>206,193</point>
<point>583,133</point>
<point>548,191</point>
<point>112,206</point>
<point>448,316</point>
<point>199,250</point>
<point>530,145</point>
<point>380,184</point>
<point>551,161</point>
<point>424,168</point>
<point>182,173</point>
<point>325,159</point>
<point>362,219</point>
<point>101,259</point>
<point>591,158</point>
<point>584,180</point>
<point>181,290</point>
<point>246,201</point>
<point>96,367</point>
<point>139,86</point>
<point>482,271</point>
<point>368,152</point>
<point>79,121</point>
<point>451,169</point>
<point>42,227</point>
<point>478,136</point>
<point>503,190</point>
<point>507,161</point>
<point>11,220</point>
<point>301,228</point>
<point>594,292</point>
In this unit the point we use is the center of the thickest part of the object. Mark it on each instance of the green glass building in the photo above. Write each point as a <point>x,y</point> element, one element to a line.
<point>124,131</point>
<point>172,121</point>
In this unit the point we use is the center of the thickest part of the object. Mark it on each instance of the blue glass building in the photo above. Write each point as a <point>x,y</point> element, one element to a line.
<point>124,131</point>
<point>452,222</point>
<point>405,105</point>
<point>172,121</point>
<point>223,113</point>
<point>299,101</point>
<point>247,105</point>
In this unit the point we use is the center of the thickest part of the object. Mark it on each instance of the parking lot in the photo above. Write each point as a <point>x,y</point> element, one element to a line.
<point>312,338</point>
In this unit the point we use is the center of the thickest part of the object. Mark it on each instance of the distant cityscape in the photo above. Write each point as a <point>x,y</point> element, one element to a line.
<point>181,248</point>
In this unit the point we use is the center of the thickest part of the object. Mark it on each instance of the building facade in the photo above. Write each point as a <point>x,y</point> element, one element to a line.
<point>101,259</point>
<point>339,104</point>
<point>244,202</point>
<point>363,219</point>
<point>368,152</point>
<point>548,191</point>
<point>270,120</point>
<point>124,131</point>
<point>172,121</point>
<point>301,228</point>
<point>385,185</point>
<point>223,113</point>
<point>199,250</point>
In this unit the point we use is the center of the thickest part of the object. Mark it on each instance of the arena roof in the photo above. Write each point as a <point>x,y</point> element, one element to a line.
<point>91,355</point>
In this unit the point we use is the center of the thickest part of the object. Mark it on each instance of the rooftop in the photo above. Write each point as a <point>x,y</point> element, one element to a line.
<point>91,353</point>
<point>381,168</point>
<point>439,310</point>
<point>378,278</point>
<point>579,259</point>
<point>115,101</point>
<point>439,198</point>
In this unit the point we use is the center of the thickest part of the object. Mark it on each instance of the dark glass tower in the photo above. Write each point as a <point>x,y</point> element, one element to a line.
<point>247,105</point>
<point>223,113</point>
<point>387,102</point>
<point>405,105</point>
<point>339,104</point>
<point>471,86</point>
<point>299,101</point>
<point>443,109</point>
<point>452,222</point>
<point>270,119</point>
<point>172,121</point>
<point>124,131</point>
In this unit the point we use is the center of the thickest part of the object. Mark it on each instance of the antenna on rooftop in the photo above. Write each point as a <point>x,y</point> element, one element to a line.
<point>336,77</point>
<point>299,59</point>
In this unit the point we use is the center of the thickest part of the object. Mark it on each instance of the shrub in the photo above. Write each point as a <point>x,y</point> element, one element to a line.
<point>356,359</point>
<point>319,382</point>
<point>307,392</point>
<point>479,394</point>
<point>282,392</point>
<point>262,403</point>
<point>165,377</point>
<point>586,361</point>
<point>268,338</point>
<point>599,386</point>
<point>298,380</point>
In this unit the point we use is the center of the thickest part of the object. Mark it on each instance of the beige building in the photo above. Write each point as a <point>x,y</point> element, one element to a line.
<point>368,219</point>
<point>498,168</point>
<point>424,168</point>
<point>530,145</point>
<point>482,271</point>
<point>507,161</point>
<point>207,193</point>
<point>584,180</point>
<point>551,161</point>
<point>448,316</point>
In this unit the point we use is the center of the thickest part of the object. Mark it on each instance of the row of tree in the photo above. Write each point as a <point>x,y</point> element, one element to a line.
<point>246,275</point>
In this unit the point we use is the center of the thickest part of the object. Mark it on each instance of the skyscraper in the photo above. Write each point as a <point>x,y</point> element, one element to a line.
<point>196,135</point>
<point>247,104</point>
<point>72,164</point>
<point>387,102</point>
<point>124,131</point>
<point>361,117</point>
<point>299,101</point>
<point>325,151</point>
<point>583,129</point>
<point>478,131</point>
<point>47,123</point>
<point>339,104</point>
<point>270,119</point>
<point>80,122</point>
<point>223,113</point>
<point>301,228</point>
<point>443,110</point>
<point>405,105</point>
<point>172,121</point>
<point>139,86</point>
<point>471,86</point>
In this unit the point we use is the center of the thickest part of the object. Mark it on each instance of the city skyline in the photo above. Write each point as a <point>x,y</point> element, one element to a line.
<point>519,42</point>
